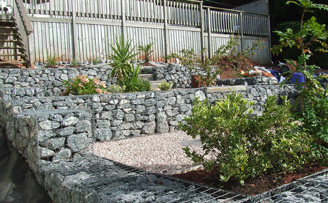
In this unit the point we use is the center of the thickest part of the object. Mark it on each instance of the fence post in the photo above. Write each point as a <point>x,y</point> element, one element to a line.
<point>166,37</point>
<point>241,31</point>
<point>209,32</point>
<point>123,19</point>
<point>201,29</point>
<point>74,37</point>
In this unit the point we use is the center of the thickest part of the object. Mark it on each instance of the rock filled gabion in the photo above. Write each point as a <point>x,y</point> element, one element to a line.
<point>48,129</point>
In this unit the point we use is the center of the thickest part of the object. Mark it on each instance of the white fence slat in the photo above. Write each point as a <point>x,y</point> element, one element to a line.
<point>93,37</point>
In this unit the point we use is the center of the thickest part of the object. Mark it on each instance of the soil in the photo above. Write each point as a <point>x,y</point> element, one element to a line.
<point>252,186</point>
<point>232,69</point>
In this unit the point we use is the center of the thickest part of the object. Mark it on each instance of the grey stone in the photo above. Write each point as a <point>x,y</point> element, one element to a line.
<point>64,77</point>
<point>129,117</point>
<point>3,75</point>
<point>103,124</point>
<point>83,126</point>
<point>75,179</point>
<point>103,134</point>
<point>62,155</point>
<point>106,115</point>
<point>201,96</point>
<point>43,135</point>
<point>46,153</point>
<point>116,122</point>
<point>185,107</point>
<point>151,117</point>
<point>149,128</point>
<point>180,117</point>
<point>140,108</point>
<point>171,100</point>
<point>138,125</point>
<point>48,125</point>
<point>11,80</point>
<point>54,143</point>
<point>73,74</point>
<point>149,102</point>
<point>66,131</point>
<point>70,121</point>
<point>150,110</point>
<point>162,125</point>
<point>118,114</point>
<point>77,142</point>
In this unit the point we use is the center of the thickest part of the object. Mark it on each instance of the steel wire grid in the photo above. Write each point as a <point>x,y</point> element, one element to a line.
<point>209,194</point>
<point>295,187</point>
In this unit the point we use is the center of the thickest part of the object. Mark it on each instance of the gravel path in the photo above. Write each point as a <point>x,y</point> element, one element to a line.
<point>160,153</point>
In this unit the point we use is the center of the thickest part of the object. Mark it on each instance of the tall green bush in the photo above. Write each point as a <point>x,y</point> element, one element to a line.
<point>132,83</point>
<point>246,147</point>
<point>123,53</point>
<point>146,50</point>
<point>314,97</point>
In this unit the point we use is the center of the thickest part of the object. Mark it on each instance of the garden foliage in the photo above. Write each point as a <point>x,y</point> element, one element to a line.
<point>314,97</point>
<point>246,147</point>
<point>132,83</point>
<point>223,58</point>
<point>127,75</point>
<point>82,85</point>
<point>165,85</point>
<point>146,50</point>
<point>123,53</point>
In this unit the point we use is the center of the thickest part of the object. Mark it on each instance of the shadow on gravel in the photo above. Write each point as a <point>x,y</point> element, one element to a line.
<point>17,183</point>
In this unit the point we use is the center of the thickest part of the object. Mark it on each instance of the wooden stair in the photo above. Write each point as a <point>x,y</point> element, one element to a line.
<point>12,50</point>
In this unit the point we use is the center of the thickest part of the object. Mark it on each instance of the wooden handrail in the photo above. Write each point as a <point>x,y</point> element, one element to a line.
<point>24,17</point>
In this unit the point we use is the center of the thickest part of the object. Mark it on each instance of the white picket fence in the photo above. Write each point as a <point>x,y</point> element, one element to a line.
<point>83,29</point>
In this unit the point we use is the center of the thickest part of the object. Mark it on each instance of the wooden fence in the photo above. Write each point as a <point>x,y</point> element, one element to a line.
<point>83,29</point>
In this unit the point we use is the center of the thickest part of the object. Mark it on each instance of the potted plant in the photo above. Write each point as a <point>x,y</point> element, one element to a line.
<point>189,59</point>
<point>210,71</point>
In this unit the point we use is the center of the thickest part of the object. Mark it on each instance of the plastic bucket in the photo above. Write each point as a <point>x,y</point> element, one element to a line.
<point>297,79</point>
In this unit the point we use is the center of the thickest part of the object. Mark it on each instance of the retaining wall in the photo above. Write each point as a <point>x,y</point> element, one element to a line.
<point>50,129</point>
<point>50,80</point>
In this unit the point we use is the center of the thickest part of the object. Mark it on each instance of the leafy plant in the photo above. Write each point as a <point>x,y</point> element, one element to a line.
<point>210,70</point>
<point>82,85</point>
<point>132,83</point>
<point>116,89</point>
<point>245,147</point>
<point>75,63</point>
<point>228,52</point>
<point>188,58</point>
<point>146,50</point>
<point>51,61</point>
<point>95,61</point>
<point>313,96</point>
<point>123,53</point>
<point>165,85</point>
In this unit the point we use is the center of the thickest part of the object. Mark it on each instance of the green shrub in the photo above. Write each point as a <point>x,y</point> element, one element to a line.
<point>75,63</point>
<point>51,61</point>
<point>116,89</point>
<point>165,85</point>
<point>310,39</point>
<point>123,53</point>
<point>82,85</point>
<point>146,50</point>
<point>246,147</point>
<point>132,83</point>
<point>95,61</point>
